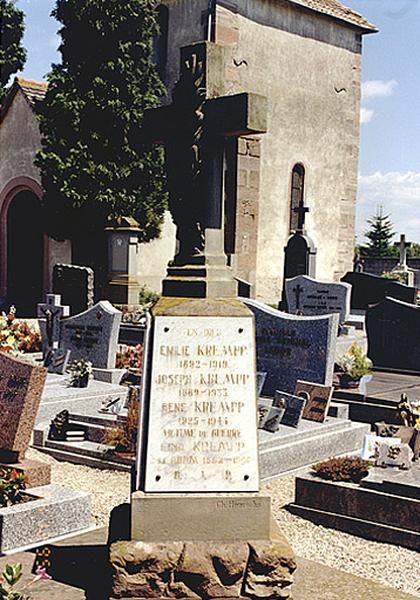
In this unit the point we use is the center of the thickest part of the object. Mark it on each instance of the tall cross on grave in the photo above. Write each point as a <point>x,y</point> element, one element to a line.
<point>193,130</point>
<point>301,212</point>
<point>52,311</point>
<point>402,245</point>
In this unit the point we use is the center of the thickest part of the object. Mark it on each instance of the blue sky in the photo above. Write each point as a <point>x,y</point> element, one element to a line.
<point>390,130</point>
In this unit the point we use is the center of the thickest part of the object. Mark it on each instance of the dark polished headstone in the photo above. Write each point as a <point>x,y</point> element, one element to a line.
<point>371,289</point>
<point>75,284</point>
<point>300,256</point>
<point>290,347</point>
<point>393,329</point>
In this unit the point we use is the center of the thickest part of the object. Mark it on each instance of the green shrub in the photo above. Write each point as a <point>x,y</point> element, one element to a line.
<point>12,484</point>
<point>347,468</point>
<point>355,362</point>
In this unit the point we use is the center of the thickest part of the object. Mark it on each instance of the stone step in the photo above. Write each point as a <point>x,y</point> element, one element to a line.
<point>296,452</point>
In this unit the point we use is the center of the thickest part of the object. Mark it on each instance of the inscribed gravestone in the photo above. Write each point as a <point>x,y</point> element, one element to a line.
<point>290,347</point>
<point>371,289</point>
<point>202,433</point>
<point>21,387</point>
<point>75,284</point>
<point>93,335</point>
<point>318,400</point>
<point>293,407</point>
<point>393,331</point>
<point>307,296</point>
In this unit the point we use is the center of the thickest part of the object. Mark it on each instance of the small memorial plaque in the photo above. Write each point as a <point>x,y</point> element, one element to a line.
<point>264,407</point>
<point>318,398</point>
<point>56,360</point>
<point>293,408</point>
<point>202,431</point>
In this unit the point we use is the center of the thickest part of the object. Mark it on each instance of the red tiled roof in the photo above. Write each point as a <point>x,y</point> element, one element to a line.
<point>33,90</point>
<point>335,9</point>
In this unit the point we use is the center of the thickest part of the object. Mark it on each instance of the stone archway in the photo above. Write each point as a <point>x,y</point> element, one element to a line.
<point>24,252</point>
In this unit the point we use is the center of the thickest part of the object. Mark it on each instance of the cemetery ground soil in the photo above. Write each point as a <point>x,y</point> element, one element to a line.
<point>387,564</point>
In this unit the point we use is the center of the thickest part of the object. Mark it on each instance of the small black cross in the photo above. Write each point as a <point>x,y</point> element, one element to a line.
<point>301,212</point>
<point>298,291</point>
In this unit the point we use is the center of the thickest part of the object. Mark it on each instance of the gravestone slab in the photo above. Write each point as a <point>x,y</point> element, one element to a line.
<point>370,289</point>
<point>50,314</point>
<point>290,347</point>
<point>292,406</point>
<point>93,335</point>
<point>300,256</point>
<point>202,422</point>
<point>307,296</point>
<point>75,284</point>
<point>21,387</point>
<point>393,330</point>
<point>318,398</point>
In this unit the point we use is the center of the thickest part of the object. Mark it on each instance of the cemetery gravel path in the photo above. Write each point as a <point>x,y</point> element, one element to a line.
<point>387,564</point>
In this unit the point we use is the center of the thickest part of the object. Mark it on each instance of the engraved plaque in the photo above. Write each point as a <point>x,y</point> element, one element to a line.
<point>202,426</point>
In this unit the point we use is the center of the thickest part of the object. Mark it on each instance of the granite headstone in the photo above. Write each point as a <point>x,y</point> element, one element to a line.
<point>21,387</point>
<point>292,407</point>
<point>318,398</point>
<point>307,296</point>
<point>370,289</point>
<point>291,347</point>
<point>75,284</point>
<point>93,335</point>
<point>393,330</point>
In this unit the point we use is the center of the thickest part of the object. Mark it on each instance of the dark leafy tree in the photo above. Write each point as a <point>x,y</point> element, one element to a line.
<point>12,53</point>
<point>379,235</point>
<point>96,99</point>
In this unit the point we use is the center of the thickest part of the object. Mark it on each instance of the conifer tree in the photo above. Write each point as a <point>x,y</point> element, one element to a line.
<point>96,99</point>
<point>379,234</point>
<point>12,53</point>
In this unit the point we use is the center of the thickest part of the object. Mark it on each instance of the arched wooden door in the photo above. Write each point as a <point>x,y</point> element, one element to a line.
<point>25,253</point>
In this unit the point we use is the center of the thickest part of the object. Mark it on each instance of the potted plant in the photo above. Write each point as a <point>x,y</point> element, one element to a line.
<point>80,371</point>
<point>353,365</point>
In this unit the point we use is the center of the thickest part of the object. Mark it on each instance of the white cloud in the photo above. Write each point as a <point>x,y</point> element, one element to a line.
<point>377,88</point>
<point>366,115</point>
<point>398,193</point>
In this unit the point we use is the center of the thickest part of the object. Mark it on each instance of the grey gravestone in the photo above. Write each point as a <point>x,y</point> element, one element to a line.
<point>371,289</point>
<point>292,407</point>
<point>393,330</point>
<point>290,347</point>
<point>93,335</point>
<point>307,296</point>
<point>75,284</point>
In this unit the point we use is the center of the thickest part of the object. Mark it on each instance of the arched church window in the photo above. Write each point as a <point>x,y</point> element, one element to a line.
<point>296,194</point>
<point>160,49</point>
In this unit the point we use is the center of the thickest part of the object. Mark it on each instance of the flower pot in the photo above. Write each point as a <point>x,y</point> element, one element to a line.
<point>348,382</point>
<point>81,382</point>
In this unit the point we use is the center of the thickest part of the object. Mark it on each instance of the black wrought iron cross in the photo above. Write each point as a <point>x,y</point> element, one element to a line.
<point>301,212</point>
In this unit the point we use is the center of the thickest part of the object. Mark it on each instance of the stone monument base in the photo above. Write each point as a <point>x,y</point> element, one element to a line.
<point>203,569</point>
<point>36,472</point>
<point>199,517</point>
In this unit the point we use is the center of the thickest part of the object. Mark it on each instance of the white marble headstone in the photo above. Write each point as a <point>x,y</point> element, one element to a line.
<point>202,423</point>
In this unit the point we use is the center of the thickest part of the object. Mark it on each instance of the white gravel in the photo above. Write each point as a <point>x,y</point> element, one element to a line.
<point>387,564</point>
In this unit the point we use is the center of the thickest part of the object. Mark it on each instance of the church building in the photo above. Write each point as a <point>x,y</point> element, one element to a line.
<point>305,57</point>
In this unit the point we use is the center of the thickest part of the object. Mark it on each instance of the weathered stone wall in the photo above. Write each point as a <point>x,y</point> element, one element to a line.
<point>19,141</point>
<point>309,67</point>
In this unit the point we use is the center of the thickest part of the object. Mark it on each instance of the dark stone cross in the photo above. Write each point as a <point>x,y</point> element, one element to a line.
<point>193,130</point>
<point>298,291</point>
<point>301,212</point>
